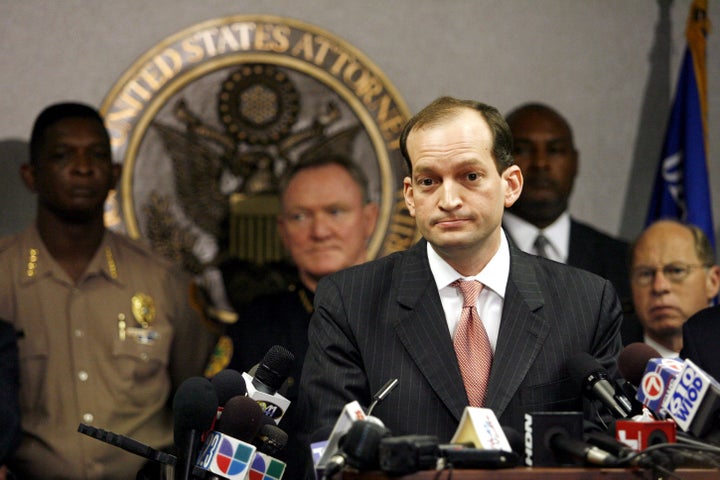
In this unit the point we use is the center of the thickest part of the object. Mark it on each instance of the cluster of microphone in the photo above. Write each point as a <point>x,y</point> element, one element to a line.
<point>662,414</point>
<point>665,413</point>
<point>225,427</point>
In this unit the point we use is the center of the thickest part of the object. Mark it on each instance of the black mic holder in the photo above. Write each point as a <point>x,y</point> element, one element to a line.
<point>128,444</point>
<point>202,474</point>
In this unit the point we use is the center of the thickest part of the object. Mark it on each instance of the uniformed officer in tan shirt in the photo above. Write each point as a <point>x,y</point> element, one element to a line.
<point>105,329</point>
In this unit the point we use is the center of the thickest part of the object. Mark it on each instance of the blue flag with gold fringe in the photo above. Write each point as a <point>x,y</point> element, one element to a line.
<point>682,184</point>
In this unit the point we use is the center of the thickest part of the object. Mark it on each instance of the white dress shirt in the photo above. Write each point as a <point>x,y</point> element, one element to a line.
<point>661,349</point>
<point>494,278</point>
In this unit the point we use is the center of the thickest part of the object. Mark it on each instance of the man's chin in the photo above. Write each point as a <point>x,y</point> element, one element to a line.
<point>667,327</point>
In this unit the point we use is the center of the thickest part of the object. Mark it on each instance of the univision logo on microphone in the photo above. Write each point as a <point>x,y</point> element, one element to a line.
<point>265,467</point>
<point>226,456</point>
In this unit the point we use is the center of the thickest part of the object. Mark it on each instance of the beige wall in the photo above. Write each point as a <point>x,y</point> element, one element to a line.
<point>609,65</point>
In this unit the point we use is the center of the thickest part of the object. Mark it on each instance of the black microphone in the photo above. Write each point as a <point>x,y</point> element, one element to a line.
<point>195,406</point>
<point>273,370</point>
<point>228,383</point>
<point>594,382</point>
<point>271,439</point>
<point>555,439</point>
<point>382,393</point>
<point>633,360</point>
<point>242,419</point>
<point>558,440</point>
<point>358,447</point>
<point>227,451</point>
<point>128,444</point>
<point>270,374</point>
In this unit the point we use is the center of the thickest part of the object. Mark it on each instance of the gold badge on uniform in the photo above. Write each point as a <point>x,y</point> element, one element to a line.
<point>143,309</point>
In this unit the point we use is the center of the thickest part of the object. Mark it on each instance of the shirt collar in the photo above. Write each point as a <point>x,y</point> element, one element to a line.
<point>661,349</point>
<point>524,233</point>
<point>39,263</point>
<point>494,276</point>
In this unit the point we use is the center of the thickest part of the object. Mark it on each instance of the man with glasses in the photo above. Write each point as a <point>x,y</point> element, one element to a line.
<point>672,276</point>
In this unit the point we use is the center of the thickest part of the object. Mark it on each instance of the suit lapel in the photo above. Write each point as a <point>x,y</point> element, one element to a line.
<point>422,329</point>
<point>523,330</point>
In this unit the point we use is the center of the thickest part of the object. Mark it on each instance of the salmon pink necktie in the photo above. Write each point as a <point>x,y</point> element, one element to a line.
<point>472,345</point>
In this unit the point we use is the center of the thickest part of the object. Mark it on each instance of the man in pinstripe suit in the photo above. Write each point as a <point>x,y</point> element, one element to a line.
<point>395,317</point>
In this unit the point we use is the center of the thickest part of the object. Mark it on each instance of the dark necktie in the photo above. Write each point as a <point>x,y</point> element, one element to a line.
<point>541,246</point>
<point>472,345</point>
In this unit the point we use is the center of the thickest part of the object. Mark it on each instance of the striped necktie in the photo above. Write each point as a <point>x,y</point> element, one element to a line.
<point>472,345</point>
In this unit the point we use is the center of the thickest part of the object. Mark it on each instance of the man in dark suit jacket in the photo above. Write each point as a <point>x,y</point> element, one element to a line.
<point>545,152</point>
<point>395,317</point>
<point>701,337</point>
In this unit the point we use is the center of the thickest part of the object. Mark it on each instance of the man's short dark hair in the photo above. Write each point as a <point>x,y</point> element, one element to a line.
<point>53,114</point>
<point>444,108</point>
<point>357,173</point>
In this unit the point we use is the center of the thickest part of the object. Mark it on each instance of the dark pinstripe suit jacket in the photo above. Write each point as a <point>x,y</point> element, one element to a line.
<point>384,320</point>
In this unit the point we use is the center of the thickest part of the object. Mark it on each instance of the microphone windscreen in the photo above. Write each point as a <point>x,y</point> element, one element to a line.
<point>271,439</point>
<point>275,367</point>
<point>581,366</point>
<point>515,439</point>
<point>633,360</point>
<point>195,406</point>
<point>228,383</point>
<point>241,419</point>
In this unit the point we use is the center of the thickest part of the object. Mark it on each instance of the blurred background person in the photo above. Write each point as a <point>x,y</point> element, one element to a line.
<point>9,401</point>
<point>673,275</point>
<point>107,330</point>
<point>325,224</point>
<point>539,222</point>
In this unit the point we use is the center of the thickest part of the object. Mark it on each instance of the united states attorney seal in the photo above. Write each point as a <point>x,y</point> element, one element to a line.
<point>206,121</point>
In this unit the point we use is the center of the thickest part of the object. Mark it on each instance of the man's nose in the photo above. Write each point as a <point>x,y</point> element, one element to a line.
<point>321,226</point>
<point>450,197</point>
<point>660,282</point>
<point>539,158</point>
<point>82,162</point>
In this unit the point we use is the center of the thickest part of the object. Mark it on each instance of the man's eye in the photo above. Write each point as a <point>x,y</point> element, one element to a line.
<point>426,182</point>
<point>102,155</point>
<point>674,270</point>
<point>473,176</point>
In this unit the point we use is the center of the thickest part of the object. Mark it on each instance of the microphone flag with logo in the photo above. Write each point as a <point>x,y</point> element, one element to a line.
<point>682,184</point>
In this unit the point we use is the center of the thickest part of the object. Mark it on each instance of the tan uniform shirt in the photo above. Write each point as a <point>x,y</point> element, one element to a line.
<point>106,351</point>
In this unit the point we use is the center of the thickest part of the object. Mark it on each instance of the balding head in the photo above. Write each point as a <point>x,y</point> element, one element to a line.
<point>673,275</point>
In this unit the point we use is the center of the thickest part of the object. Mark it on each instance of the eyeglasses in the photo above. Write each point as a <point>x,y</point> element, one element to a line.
<point>674,272</point>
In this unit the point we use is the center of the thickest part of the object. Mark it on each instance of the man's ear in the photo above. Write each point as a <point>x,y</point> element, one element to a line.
<point>27,173</point>
<point>409,195</point>
<point>370,214</point>
<point>512,176</point>
<point>712,282</point>
<point>282,232</point>
<point>116,172</point>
